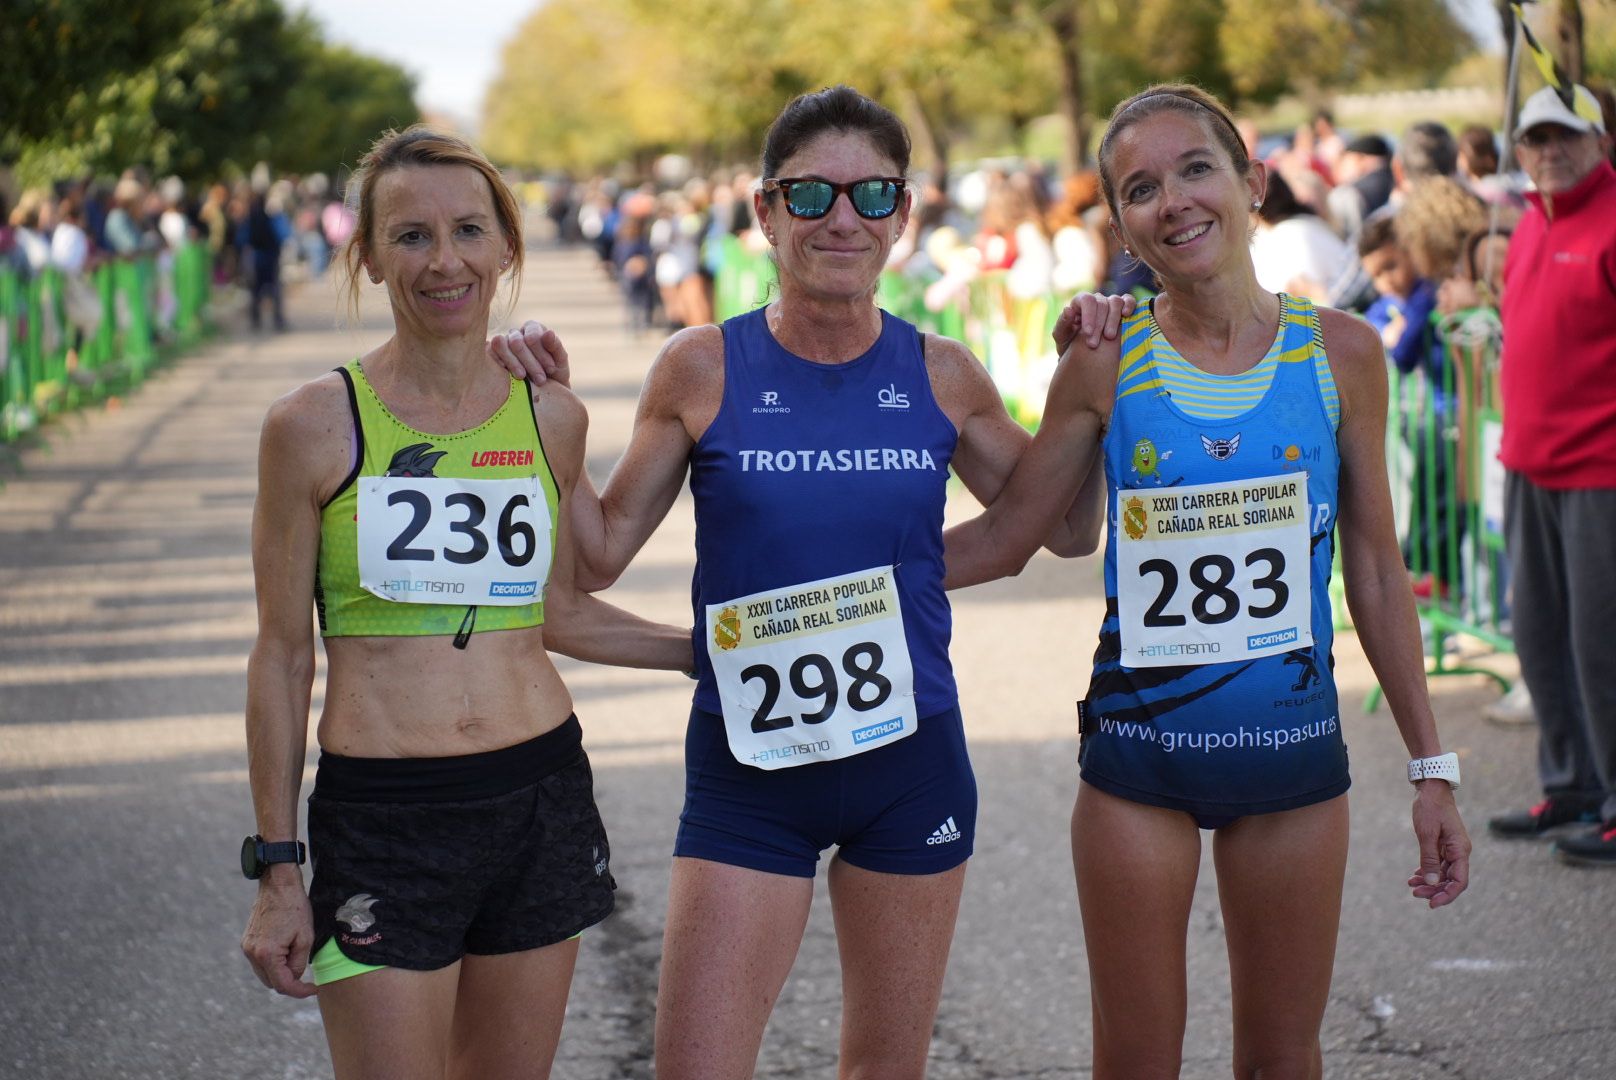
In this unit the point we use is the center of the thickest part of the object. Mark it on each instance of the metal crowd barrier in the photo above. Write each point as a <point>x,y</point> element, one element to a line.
<point>1442,441</point>
<point>67,342</point>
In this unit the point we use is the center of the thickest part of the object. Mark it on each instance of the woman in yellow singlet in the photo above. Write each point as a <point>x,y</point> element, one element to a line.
<point>414,498</point>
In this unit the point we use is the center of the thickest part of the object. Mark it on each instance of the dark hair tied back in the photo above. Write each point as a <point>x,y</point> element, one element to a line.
<point>840,109</point>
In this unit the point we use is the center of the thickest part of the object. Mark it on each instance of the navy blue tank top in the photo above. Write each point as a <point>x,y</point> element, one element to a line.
<point>1262,732</point>
<point>814,470</point>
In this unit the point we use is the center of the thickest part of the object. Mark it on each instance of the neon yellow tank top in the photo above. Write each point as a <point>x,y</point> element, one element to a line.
<point>437,534</point>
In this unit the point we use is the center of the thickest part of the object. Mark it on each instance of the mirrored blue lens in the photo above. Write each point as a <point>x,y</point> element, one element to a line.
<point>875,198</point>
<point>810,198</point>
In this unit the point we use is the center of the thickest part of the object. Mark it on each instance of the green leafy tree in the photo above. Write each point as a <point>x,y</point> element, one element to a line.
<point>213,96</point>
<point>338,106</point>
<point>1270,47</point>
<point>228,82</point>
<point>60,53</point>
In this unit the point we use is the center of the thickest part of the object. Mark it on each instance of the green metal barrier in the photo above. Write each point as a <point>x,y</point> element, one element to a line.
<point>65,343</point>
<point>1448,494</point>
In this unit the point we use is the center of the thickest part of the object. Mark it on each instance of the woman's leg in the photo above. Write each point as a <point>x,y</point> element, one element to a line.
<point>390,1024</point>
<point>1136,868</point>
<point>1279,879</point>
<point>893,932</point>
<point>731,937</point>
<point>508,1014</point>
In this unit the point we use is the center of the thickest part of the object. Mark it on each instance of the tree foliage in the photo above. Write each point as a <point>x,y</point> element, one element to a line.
<point>225,82</point>
<point>1273,46</point>
<point>61,52</point>
<point>587,85</point>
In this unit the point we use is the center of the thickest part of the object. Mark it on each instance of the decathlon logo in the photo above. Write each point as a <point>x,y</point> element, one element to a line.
<point>771,403</point>
<point>889,398</point>
<point>512,588</point>
<point>1278,637</point>
<point>877,731</point>
<point>946,833</point>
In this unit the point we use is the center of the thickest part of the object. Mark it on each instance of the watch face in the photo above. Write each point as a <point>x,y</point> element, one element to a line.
<point>250,866</point>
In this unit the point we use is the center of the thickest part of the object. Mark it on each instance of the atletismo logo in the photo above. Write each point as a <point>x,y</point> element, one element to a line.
<point>775,753</point>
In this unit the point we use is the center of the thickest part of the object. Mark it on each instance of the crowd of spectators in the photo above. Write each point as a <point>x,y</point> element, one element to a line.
<point>252,228</point>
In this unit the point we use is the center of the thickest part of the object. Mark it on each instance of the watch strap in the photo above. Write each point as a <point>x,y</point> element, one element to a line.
<point>283,851</point>
<point>1441,767</point>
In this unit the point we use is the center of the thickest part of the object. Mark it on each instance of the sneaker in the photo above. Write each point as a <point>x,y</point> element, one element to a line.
<point>1596,847</point>
<point>1514,709</point>
<point>1551,815</point>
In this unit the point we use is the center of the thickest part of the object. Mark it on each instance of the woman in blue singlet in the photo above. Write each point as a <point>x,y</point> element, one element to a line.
<point>1237,428</point>
<point>818,433</point>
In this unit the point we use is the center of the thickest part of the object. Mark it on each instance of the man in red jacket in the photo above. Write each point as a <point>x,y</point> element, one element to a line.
<point>1559,388</point>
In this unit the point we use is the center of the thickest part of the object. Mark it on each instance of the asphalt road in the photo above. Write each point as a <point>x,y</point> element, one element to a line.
<point>126,614</point>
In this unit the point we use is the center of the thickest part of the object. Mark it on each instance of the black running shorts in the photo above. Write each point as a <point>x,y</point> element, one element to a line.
<point>419,861</point>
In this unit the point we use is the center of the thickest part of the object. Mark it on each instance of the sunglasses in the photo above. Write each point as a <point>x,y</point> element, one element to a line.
<point>874,197</point>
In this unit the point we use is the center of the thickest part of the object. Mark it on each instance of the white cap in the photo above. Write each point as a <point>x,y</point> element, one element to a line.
<point>1545,107</point>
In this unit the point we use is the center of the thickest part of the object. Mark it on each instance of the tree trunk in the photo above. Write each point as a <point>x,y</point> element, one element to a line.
<point>1063,21</point>
<point>929,138</point>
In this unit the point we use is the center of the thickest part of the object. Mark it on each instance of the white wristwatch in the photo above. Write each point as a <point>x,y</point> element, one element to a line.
<point>1441,767</point>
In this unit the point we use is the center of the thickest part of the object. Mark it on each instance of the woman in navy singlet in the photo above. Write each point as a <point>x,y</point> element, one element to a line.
<point>819,433</point>
<point>1237,428</point>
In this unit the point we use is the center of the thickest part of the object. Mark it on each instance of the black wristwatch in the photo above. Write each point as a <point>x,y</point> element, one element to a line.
<point>257,856</point>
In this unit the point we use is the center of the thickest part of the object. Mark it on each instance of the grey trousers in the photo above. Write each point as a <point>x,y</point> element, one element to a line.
<point>1562,551</point>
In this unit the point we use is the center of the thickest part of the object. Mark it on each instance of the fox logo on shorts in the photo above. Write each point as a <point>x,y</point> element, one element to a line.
<point>355,911</point>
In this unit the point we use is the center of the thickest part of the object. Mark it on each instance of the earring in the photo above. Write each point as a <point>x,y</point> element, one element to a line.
<point>1128,251</point>
<point>1256,205</point>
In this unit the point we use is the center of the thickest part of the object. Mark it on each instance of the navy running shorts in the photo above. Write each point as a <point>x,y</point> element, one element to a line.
<point>419,861</point>
<point>905,808</point>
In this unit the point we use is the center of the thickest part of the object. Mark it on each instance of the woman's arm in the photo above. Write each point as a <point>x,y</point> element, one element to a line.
<point>1053,482</point>
<point>1379,597</point>
<point>577,624</point>
<point>679,400</point>
<point>686,378</point>
<point>303,437</point>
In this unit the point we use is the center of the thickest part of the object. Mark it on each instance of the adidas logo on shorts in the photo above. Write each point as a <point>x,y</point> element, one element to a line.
<point>946,833</point>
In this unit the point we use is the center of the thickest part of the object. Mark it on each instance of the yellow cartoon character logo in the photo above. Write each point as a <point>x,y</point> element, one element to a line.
<point>727,629</point>
<point>1134,519</point>
<point>1147,461</point>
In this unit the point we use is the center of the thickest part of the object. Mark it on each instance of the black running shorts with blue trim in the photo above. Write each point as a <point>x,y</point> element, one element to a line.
<point>420,861</point>
<point>905,808</point>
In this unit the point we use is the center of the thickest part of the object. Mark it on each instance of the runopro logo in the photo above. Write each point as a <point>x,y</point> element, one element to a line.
<point>771,403</point>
